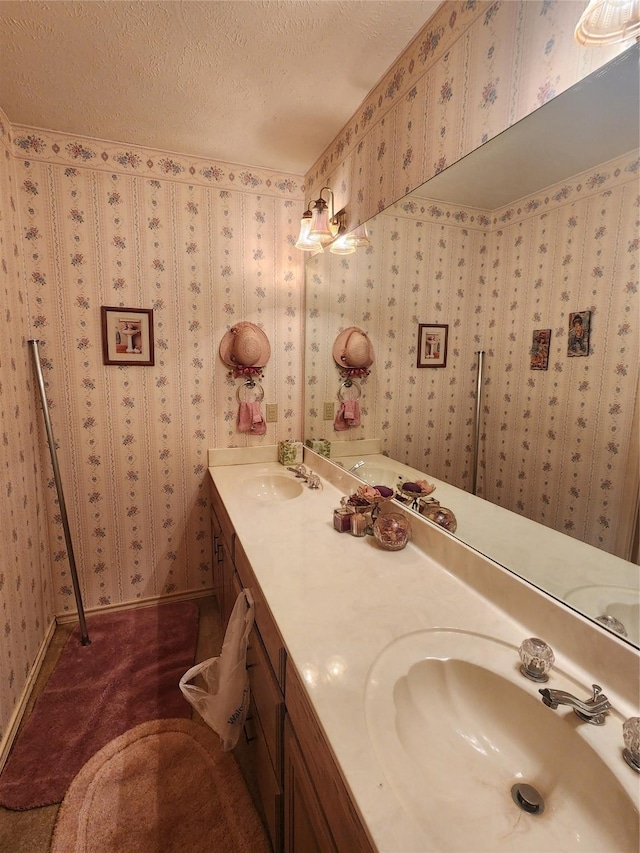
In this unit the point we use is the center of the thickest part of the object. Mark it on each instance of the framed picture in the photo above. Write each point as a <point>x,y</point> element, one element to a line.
<point>127,335</point>
<point>579,331</point>
<point>432,345</point>
<point>540,349</point>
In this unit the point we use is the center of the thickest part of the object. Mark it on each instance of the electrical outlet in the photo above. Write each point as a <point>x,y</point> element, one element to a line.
<point>329,410</point>
<point>271,410</point>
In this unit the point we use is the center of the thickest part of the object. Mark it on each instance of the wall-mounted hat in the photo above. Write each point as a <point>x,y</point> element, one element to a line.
<point>353,350</point>
<point>245,345</point>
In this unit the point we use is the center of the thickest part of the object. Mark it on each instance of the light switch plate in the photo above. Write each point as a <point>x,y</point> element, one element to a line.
<point>271,411</point>
<point>329,411</point>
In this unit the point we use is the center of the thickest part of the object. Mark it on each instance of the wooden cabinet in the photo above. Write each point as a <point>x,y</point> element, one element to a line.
<point>319,782</point>
<point>265,662</point>
<point>305,827</point>
<point>306,805</point>
<point>223,553</point>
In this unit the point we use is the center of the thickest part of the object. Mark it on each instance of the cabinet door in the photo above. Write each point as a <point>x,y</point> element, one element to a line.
<point>267,698</point>
<point>229,592</point>
<point>305,827</point>
<point>329,795</point>
<point>217,558</point>
<point>268,788</point>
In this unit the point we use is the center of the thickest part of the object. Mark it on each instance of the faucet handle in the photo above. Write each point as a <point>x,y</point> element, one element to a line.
<point>537,659</point>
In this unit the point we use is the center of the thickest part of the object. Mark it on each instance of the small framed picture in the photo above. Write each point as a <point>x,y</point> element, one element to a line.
<point>432,345</point>
<point>540,349</point>
<point>127,335</point>
<point>579,331</point>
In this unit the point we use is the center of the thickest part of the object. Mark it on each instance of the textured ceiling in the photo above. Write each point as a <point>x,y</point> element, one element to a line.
<point>259,83</point>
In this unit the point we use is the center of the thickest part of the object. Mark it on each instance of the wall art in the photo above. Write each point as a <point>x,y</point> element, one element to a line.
<point>127,335</point>
<point>540,349</point>
<point>579,331</point>
<point>432,345</point>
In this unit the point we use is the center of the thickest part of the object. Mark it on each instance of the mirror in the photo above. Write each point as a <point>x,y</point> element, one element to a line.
<point>506,248</point>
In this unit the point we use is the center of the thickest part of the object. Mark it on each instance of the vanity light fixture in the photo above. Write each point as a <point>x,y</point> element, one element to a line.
<point>609,22</point>
<point>321,227</point>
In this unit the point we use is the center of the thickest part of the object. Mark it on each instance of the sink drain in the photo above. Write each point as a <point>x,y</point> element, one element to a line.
<point>527,798</point>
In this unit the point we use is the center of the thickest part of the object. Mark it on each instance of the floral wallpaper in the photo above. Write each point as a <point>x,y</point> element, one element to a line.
<point>567,431</point>
<point>134,439</point>
<point>475,69</point>
<point>26,600</point>
<point>555,444</point>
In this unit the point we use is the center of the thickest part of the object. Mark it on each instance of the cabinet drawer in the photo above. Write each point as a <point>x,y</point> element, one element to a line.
<point>268,700</point>
<point>264,620</point>
<point>268,786</point>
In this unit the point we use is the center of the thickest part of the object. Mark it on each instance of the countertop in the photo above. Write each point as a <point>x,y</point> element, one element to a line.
<point>557,563</point>
<point>339,601</point>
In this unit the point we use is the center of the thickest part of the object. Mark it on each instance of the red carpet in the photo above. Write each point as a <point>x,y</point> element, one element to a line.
<point>127,676</point>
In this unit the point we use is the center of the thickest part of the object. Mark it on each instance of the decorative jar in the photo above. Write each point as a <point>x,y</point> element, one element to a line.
<point>392,530</point>
<point>441,515</point>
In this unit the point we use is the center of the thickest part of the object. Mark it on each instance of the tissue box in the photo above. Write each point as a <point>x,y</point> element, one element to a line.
<point>319,445</point>
<point>290,452</point>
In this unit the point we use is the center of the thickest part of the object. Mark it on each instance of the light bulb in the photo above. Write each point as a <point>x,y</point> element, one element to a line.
<point>320,229</point>
<point>342,246</point>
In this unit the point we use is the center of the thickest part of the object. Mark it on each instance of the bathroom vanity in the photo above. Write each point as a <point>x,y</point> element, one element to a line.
<point>282,741</point>
<point>353,656</point>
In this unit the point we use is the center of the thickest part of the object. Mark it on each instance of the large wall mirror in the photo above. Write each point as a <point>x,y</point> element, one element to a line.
<point>527,252</point>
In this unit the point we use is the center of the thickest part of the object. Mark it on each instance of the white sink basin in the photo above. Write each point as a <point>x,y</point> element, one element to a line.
<point>618,602</point>
<point>272,487</point>
<point>375,475</point>
<point>455,726</point>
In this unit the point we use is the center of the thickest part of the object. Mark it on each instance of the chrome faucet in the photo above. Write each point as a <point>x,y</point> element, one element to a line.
<point>311,479</point>
<point>357,465</point>
<point>591,710</point>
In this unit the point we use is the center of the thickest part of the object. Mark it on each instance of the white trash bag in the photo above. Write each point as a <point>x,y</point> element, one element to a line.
<point>225,701</point>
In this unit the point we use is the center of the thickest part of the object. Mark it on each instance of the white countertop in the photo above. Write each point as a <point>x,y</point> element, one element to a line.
<point>557,563</point>
<point>339,601</point>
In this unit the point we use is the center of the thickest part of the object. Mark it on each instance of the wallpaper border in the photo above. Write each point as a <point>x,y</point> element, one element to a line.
<point>48,146</point>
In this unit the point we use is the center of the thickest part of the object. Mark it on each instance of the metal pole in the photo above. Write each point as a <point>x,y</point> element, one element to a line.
<point>476,444</point>
<point>63,509</point>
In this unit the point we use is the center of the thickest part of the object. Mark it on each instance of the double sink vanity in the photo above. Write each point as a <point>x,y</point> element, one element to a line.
<point>389,711</point>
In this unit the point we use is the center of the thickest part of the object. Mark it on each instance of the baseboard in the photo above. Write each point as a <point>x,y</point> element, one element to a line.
<point>65,618</point>
<point>18,711</point>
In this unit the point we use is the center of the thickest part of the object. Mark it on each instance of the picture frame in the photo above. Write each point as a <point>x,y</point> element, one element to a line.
<point>432,344</point>
<point>127,336</point>
<point>579,334</point>
<point>539,353</point>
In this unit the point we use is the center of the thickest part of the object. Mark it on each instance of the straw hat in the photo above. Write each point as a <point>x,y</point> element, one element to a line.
<point>245,345</point>
<point>353,349</point>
